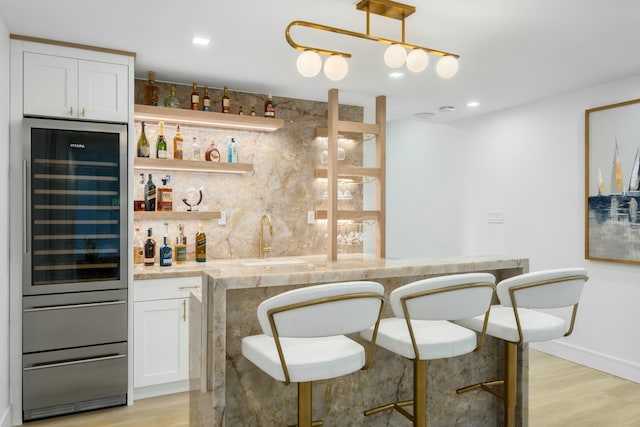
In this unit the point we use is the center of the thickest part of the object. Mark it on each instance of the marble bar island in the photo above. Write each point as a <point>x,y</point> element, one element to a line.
<point>229,391</point>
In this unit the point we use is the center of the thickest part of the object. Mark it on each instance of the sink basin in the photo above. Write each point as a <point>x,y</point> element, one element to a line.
<point>274,261</point>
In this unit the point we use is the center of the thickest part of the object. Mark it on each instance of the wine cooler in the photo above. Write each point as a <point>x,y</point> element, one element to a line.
<point>75,267</point>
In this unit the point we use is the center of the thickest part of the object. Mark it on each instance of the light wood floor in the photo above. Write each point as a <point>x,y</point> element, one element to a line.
<point>561,394</point>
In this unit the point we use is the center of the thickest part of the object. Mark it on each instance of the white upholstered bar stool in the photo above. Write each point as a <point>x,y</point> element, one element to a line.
<point>421,329</point>
<point>303,335</point>
<point>515,321</point>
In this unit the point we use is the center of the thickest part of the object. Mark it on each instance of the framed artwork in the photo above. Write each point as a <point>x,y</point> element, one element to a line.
<point>612,182</point>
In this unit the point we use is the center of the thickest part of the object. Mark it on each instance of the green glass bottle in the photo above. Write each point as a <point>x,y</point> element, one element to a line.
<point>143,144</point>
<point>161,146</point>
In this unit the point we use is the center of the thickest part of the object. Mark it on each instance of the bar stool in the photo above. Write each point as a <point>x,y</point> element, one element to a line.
<point>514,321</point>
<point>303,335</point>
<point>421,330</point>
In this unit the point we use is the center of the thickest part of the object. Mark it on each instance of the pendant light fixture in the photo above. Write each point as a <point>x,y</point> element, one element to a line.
<point>336,67</point>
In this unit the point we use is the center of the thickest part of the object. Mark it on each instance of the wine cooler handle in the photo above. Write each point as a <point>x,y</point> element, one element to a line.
<point>25,201</point>
<point>64,307</point>
<point>75,362</point>
<point>184,310</point>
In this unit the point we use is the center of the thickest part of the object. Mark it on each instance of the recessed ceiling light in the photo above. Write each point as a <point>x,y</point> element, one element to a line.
<point>202,41</point>
<point>447,109</point>
<point>473,104</point>
<point>396,75</point>
<point>424,116</point>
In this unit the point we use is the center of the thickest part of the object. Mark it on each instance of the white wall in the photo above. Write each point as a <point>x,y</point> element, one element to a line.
<point>528,162</point>
<point>4,228</point>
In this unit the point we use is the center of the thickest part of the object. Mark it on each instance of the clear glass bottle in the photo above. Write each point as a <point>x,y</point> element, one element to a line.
<point>178,141</point>
<point>212,154</point>
<point>180,249</point>
<point>166,255</point>
<point>138,248</point>
<point>232,151</point>
<point>226,102</point>
<point>149,249</point>
<point>143,144</point>
<point>195,97</point>
<point>161,144</point>
<point>151,93</point>
<point>194,152</point>
<point>150,195</point>
<point>172,101</point>
<point>201,245</point>
<point>206,100</point>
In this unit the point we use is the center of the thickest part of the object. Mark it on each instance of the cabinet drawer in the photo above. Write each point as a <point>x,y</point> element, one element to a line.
<point>170,288</point>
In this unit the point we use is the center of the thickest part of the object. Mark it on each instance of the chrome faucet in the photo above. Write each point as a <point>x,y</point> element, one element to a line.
<point>265,249</point>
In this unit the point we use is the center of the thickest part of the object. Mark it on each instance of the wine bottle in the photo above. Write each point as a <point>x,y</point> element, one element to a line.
<point>178,153</point>
<point>161,145</point>
<point>201,245</point>
<point>143,144</point>
<point>150,196</point>
<point>206,100</point>
<point>226,102</point>
<point>195,97</point>
<point>151,93</point>
<point>166,257</point>
<point>180,249</point>
<point>269,109</point>
<point>149,249</point>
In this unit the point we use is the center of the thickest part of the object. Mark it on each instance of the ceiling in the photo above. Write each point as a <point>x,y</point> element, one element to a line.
<point>511,52</point>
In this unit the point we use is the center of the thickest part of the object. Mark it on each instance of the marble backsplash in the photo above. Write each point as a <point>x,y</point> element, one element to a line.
<point>282,184</point>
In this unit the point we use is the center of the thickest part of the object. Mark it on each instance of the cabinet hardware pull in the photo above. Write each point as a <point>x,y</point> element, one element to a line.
<point>71,111</point>
<point>75,362</point>
<point>83,112</point>
<point>64,307</point>
<point>188,287</point>
<point>184,310</point>
<point>25,199</point>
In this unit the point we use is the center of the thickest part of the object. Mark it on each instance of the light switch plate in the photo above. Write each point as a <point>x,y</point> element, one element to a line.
<point>223,218</point>
<point>311,217</point>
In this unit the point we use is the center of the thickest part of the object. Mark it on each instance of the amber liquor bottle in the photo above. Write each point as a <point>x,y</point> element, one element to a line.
<point>178,142</point>
<point>195,97</point>
<point>226,102</point>
<point>149,249</point>
<point>201,245</point>
<point>206,100</point>
<point>269,109</point>
<point>151,93</point>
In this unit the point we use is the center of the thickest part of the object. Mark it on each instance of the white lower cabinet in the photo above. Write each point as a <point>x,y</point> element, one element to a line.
<point>161,335</point>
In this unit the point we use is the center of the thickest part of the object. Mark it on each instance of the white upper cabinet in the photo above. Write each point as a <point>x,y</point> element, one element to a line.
<point>56,86</point>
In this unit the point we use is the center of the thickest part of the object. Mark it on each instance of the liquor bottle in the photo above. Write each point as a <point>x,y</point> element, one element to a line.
<point>212,154</point>
<point>172,101</point>
<point>178,153</point>
<point>269,109</point>
<point>161,144</point>
<point>195,97</point>
<point>232,152</point>
<point>253,110</point>
<point>226,102</point>
<point>143,144</point>
<point>201,245</point>
<point>206,101</point>
<point>150,195</point>
<point>194,152</point>
<point>240,112</point>
<point>166,257</point>
<point>138,248</point>
<point>151,90</point>
<point>180,249</point>
<point>149,249</point>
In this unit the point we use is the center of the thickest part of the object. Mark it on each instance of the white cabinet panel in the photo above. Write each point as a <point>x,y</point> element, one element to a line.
<point>102,91</point>
<point>50,85</point>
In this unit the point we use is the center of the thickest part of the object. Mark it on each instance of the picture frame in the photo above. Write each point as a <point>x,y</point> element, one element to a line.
<point>612,182</point>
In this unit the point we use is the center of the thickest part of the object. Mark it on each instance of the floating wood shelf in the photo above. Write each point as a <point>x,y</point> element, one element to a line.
<point>206,118</point>
<point>145,216</point>
<point>191,166</point>
<point>350,215</point>
<point>349,172</point>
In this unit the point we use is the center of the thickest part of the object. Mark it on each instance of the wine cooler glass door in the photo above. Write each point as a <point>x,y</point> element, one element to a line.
<point>77,210</point>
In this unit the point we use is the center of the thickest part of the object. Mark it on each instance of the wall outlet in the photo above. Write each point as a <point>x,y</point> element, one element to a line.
<point>496,217</point>
<point>223,218</point>
<point>311,217</point>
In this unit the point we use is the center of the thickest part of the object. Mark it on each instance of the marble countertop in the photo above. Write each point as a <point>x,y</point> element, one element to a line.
<point>245,273</point>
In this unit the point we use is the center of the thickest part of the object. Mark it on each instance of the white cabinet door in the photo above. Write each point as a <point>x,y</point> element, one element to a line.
<point>50,85</point>
<point>103,89</point>
<point>161,342</point>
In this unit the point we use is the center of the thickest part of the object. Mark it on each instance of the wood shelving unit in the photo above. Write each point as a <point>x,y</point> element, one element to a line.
<point>145,216</point>
<point>206,119</point>
<point>191,166</point>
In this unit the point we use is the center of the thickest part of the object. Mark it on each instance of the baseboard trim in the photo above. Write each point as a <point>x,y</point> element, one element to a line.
<point>599,361</point>
<point>160,389</point>
<point>5,420</point>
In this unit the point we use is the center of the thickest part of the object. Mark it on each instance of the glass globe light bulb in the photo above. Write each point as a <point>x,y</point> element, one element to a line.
<point>395,56</point>
<point>336,67</point>
<point>309,63</point>
<point>447,67</point>
<point>417,60</point>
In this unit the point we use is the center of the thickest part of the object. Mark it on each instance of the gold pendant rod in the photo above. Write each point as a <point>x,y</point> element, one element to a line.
<point>353,34</point>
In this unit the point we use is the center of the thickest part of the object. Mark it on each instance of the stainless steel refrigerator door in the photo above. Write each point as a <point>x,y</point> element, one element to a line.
<point>75,206</point>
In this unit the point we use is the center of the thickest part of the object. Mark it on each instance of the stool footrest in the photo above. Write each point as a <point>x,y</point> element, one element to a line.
<point>486,386</point>
<point>398,406</point>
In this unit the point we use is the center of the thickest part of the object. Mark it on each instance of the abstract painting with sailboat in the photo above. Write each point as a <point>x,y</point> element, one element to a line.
<point>612,223</point>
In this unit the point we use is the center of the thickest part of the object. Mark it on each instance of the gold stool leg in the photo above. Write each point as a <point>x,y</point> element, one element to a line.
<point>510,382</point>
<point>304,404</point>
<point>419,393</point>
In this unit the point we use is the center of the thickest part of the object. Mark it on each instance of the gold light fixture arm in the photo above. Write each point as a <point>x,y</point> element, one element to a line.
<point>353,34</point>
